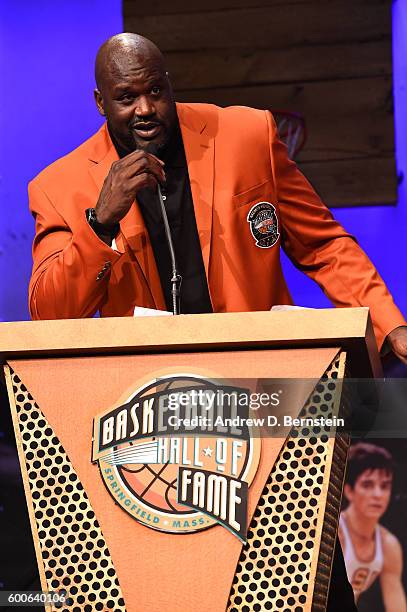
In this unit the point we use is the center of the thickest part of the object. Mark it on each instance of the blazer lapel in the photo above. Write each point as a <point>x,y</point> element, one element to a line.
<point>131,226</point>
<point>199,151</point>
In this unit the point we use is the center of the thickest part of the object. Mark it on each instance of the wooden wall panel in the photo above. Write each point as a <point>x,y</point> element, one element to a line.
<point>323,102</point>
<point>337,181</point>
<point>330,61</point>
<point>163,7</point>
<point>282,25</point>
<point>240,67</point>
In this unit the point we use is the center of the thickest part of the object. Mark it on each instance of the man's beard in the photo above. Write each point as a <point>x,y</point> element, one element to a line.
<point>155,148</point>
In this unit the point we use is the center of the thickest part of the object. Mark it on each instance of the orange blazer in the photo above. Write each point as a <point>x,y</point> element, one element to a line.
<point>235,163</point>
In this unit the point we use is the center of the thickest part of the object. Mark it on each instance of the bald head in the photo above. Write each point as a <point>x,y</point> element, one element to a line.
<point>122,50</point>
<point>134,93</point>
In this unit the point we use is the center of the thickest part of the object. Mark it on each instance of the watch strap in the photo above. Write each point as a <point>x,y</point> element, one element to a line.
<point>99,228</point>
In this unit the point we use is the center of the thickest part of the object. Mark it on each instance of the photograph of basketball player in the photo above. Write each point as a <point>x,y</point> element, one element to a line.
<point>370,550</point>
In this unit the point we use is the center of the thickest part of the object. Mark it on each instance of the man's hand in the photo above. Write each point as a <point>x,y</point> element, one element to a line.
<point>398,342</point>
<point>126,177</point>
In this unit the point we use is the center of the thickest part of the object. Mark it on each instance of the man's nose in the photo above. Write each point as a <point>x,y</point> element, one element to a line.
<point>144,107</point>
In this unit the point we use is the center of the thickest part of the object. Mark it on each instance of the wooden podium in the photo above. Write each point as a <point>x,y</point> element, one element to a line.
<point>96,540</point>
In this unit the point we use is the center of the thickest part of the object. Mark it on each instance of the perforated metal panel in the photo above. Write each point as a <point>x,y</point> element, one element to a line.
<point>69,540</point>
<point>292,534</point>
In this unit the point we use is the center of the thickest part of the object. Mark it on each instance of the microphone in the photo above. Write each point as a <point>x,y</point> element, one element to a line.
<point>176,278</point>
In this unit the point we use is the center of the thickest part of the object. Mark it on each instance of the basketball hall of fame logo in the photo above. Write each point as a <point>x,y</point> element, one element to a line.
<point>178,456</point>
<point>263,222</point>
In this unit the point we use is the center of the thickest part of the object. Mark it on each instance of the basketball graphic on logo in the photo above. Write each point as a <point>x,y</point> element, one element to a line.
<point>155,484</point>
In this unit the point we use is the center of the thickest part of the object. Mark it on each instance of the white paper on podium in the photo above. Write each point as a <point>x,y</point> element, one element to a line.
<point>289,307</point>
<point>139,311</point>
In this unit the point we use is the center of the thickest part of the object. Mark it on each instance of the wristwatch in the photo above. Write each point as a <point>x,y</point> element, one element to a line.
<point>99,228</point>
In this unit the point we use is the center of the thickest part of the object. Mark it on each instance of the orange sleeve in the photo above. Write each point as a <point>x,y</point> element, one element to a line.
<point>319,246</point>
<point>71,267</point>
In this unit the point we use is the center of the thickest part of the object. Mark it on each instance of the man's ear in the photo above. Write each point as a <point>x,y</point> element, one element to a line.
<point>99,102</point>
<point>348,492</point>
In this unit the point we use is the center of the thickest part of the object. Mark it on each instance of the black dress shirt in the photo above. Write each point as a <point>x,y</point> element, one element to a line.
<point>181,217</point>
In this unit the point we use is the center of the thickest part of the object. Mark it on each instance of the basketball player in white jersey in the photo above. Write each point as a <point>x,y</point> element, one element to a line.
<point>369,549</point>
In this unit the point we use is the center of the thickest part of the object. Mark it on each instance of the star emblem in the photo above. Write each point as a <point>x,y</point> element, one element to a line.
<point>207,451</point>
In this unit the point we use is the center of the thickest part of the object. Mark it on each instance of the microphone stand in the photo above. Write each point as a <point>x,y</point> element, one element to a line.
<point>176,278</point>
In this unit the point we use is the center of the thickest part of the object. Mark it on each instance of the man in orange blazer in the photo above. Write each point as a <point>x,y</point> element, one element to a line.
<point>248,200</point>
<point>233,197</point>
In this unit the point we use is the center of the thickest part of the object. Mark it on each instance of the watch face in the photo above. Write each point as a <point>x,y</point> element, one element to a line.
<point>97,227</point>
<point>91,216</point>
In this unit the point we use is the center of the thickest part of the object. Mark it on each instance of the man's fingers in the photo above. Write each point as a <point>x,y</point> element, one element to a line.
<point>401,356</point>
<point>134,156</point>
<point>144,179</point>
<point>140,164</point>
<point>151,168</point>
<point>126,177</point>
<point>398,342</point>
<point>160,161</point>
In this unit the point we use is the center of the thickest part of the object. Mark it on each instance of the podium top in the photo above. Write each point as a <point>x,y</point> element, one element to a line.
<point>348,328</point>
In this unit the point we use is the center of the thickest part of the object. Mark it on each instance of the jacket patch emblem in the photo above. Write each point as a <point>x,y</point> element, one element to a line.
<point>263,222</point>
